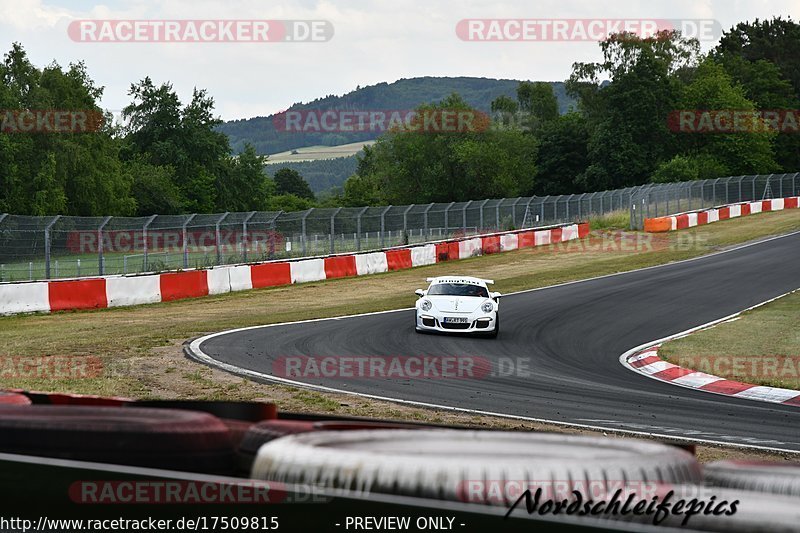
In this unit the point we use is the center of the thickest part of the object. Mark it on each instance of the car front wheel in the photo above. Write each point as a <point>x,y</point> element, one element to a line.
<point>493,334</point>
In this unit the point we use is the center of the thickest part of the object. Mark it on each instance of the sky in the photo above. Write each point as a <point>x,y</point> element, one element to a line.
<point>372,42</point>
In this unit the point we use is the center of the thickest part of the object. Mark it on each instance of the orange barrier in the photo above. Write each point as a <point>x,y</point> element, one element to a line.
<point>270,275</point>
<point>340,266</point>
<point>527,239</point>
<point>178,285</point>
<point>77,294</point>
<point>398,259</point>
<point>656,225</point>
<point>490,245</point>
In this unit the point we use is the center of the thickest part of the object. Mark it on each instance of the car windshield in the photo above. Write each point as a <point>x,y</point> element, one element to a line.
<point>458,289</point>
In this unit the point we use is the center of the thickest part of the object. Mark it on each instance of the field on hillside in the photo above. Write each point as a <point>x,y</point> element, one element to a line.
<point>315,153</point>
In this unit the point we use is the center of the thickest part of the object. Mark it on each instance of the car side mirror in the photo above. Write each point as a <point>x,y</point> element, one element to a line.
<point>495,295</point>
<point>419,292</point>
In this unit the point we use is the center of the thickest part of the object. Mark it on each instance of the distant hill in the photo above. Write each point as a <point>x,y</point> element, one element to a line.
<point>404,94</point>
<point>321,174</point>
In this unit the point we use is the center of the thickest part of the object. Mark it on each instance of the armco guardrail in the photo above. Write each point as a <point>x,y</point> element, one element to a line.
<point>707,216</point>
<point>116,291</point>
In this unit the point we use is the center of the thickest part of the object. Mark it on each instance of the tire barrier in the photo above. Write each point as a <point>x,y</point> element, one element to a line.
<point>445,463</point>
<point>12,398</point>
<point>708,216</point>
<point>172,439</point>
<point>259,434</point>
<point>117,291</point>
<point>757,476</point>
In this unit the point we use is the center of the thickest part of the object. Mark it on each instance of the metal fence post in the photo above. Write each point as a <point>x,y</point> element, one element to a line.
<point>497,214</point>
<point>527,209</point>
<point>542,208</point>
<point>217,236</point>
<point>569,199</point>
<point>425,218</point>
<point>464,216</point>
<point>447,218</point>
<point>101,267</point>
<point>273,224</point>
<point>185,240</point>
<point>47,245</point>
<point>481,208</point>
<point>303,229</point>
<point>144,238</point>
<point>406,236</point>
<point>333,230</point>
<point>358,228</point>
<point>794,187</point>
<point>514,212</point>
<point>244,235</point>
<point>383,226</point>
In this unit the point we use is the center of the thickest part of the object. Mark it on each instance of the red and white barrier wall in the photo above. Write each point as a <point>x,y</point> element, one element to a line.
<point>707,216</point>
<point>116,291</point>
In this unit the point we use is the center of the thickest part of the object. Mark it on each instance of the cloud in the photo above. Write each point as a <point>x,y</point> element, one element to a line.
<point>373,42</point>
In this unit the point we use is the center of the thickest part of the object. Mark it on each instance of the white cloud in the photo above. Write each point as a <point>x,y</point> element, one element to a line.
<point>373,42</point>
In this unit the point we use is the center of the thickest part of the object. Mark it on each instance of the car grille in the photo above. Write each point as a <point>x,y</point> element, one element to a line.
<point>465,325</point>
<point>429,322</point>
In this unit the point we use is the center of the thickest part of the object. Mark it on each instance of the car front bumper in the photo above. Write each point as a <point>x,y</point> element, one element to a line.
<point>476,323</point>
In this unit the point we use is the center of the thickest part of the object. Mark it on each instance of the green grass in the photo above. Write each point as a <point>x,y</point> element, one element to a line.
<point>620,219</point>
<point>761,347</point>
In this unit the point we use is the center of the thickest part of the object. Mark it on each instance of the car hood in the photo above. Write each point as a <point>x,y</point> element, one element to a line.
<point>456,304</point>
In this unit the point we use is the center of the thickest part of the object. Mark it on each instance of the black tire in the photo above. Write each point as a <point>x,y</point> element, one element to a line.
<point>159,438</point>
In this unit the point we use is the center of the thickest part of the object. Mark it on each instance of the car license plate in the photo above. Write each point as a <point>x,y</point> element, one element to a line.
<point>455,320</point>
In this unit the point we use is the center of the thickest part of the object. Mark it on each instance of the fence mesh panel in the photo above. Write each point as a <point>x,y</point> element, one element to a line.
<point>51,247</point>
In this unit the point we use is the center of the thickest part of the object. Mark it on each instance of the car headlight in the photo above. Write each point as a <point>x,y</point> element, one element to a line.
<point>426,305</point>
<point>487,307</point>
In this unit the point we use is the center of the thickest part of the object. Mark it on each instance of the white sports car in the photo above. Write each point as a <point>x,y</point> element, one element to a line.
<point>458,304</point>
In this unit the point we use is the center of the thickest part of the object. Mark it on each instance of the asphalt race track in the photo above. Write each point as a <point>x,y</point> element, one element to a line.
<point>573,335</point>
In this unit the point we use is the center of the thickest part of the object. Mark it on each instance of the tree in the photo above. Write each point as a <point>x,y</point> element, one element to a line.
<point>563,155</point>
<point>183,137</point>
<point>748,152</point>
<point>627,118</point>
<point>765,86</point>
<point>244,186</point>
<point>538,102</point>
<point>288,181</point>
<point>49,173</point>
<point>776,40</point>
<point>406,167</point>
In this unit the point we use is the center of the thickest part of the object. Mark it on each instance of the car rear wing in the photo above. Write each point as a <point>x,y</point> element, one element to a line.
<point>486,281</point>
